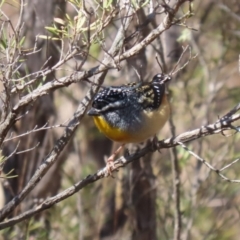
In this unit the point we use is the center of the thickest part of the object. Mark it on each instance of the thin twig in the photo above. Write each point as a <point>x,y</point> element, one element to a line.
<point>29,149</point>
<point>229,165</point>
<point>217,171</point>
<point>174,71</point>
<point>9,156</point>
<point>210,129</point>
<point>52,157</point>
<point>35,129</point>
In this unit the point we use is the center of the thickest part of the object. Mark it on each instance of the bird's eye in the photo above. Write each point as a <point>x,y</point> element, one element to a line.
<point>94,104</point>
<point>98,104</point>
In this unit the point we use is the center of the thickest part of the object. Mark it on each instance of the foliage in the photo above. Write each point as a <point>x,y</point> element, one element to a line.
<point>48,80</point>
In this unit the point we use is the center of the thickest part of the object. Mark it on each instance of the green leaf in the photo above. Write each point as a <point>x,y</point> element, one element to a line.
<point>22,41</point>
<point>107,4</point>
<point>49,37</point>
<point>52,29</point>
<point>185,36</point>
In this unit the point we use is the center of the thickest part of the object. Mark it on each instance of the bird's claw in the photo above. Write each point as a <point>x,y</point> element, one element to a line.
<point>110,167</point>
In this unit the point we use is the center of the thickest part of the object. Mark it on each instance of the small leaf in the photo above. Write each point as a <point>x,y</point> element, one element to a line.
<point>48,37</point>
<point>185,36</point>
<point>59,20</point>
<point>107,4</point>
<point>51,29</point>
<point>22,41</point>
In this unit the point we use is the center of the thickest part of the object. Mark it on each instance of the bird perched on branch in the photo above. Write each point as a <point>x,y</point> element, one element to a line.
<point>131,113</point>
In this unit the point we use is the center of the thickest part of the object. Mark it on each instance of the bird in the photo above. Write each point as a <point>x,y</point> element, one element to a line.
<point>131,113</point>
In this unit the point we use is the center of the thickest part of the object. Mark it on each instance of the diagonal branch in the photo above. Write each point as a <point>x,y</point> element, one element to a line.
<point>217,171</point>
<point>167,22</point>
<point>210,129</point>
<point>69,131</point>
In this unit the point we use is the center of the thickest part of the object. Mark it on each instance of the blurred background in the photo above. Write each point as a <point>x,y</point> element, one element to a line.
<point>140,202</point>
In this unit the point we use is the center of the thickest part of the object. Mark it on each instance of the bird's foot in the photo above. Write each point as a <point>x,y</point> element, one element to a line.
<point>155,144</point>
<point>110,166</point>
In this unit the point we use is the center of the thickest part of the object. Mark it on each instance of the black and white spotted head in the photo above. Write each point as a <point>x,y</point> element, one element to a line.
<point>109,99</point>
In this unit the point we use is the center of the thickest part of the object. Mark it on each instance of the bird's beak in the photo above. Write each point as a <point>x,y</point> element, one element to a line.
<point>93,112</point>
<point>168,78</point>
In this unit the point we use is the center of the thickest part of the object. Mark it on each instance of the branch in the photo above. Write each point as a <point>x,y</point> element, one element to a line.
<point>35,129</point>
<point>167,22</point>
<point>107,64</point>
<point>217,171</point>
<point>69,131</point>
<point>210,129</point>
<point>176,185</point>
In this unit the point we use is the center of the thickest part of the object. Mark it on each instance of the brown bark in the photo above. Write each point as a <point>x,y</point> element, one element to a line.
<point>143,199</point>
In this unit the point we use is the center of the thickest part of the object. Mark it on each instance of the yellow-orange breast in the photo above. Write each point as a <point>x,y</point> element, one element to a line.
<point>113,133</point>
<point>152,122</point>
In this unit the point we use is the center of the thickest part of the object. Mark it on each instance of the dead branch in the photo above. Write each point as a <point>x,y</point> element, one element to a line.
<point>203,131</point>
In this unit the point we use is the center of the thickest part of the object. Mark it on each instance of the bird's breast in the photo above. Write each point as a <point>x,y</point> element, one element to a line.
<point>113,133</point>
<point>134,129</point>
<point>155,120</point>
